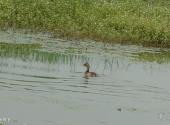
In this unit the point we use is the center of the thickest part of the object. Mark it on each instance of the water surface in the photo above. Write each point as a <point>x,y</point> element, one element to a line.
<point>42,82</point>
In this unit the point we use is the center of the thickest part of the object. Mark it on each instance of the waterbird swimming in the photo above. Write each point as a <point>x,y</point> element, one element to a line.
<point>87,72</point>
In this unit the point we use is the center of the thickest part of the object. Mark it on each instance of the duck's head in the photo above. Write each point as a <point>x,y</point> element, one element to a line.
<point>86,65</point>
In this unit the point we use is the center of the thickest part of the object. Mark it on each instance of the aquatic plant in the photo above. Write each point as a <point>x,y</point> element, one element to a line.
<point>145,22</point>
<point>158,57</point>
<point>17,50</point>
<point>34,52</point>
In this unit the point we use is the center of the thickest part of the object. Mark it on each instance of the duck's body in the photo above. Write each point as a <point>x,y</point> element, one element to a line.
<point>88,73</point>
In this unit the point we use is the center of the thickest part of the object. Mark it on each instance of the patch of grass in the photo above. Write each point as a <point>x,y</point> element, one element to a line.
<point>34,52</point>
<point>17,50</point>
<point>145,22</point>
<point>159,57</point>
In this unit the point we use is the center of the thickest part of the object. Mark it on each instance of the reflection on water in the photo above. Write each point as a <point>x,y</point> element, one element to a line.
<point>42,82</point>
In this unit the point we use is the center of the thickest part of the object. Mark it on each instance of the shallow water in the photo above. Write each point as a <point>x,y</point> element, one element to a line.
<point>42,83</point>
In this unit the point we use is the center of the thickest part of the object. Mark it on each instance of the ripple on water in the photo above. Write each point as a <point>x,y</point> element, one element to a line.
<point>52,70</point>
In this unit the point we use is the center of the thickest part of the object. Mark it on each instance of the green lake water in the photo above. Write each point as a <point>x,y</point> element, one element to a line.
<point>42,82</point>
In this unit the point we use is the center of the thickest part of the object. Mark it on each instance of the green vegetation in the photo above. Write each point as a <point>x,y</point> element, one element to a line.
<point>159,57</point>
<point>18,50</point>
<point>34,52</point>
<point>145,22</point>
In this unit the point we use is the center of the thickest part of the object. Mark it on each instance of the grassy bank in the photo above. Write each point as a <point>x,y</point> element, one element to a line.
<point>145,22</point>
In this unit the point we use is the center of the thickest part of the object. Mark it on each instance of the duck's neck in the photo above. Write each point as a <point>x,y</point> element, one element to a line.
<point>87,69</point>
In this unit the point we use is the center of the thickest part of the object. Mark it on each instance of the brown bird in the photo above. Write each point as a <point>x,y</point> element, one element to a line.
<point>87,72</point>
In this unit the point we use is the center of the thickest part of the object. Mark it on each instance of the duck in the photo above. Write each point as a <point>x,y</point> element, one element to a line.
<point>87,72</point>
